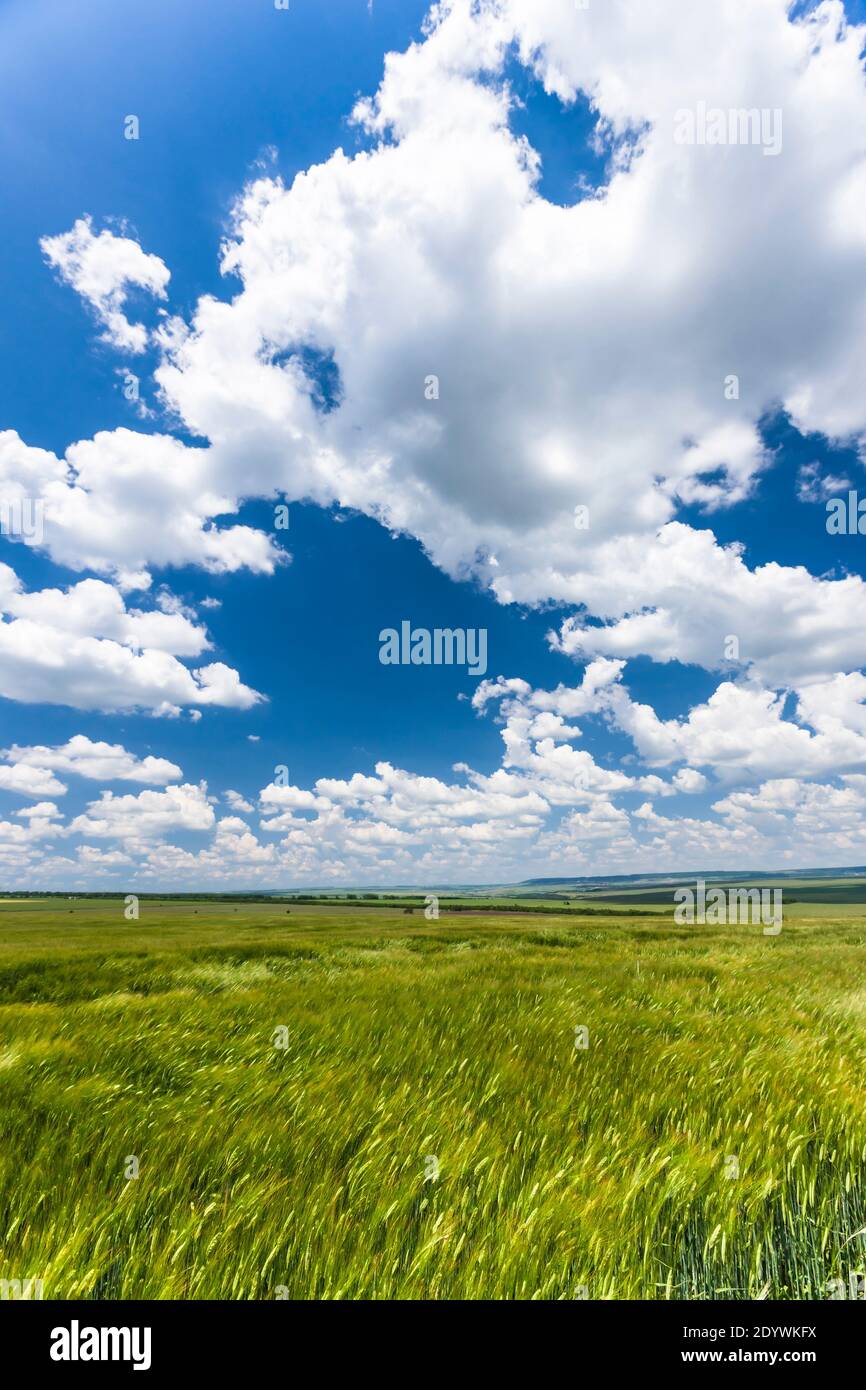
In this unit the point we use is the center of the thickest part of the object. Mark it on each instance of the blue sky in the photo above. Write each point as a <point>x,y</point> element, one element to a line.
<point>514,218</point>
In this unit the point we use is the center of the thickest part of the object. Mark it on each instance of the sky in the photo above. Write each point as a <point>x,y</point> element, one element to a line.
<point>495,320</point>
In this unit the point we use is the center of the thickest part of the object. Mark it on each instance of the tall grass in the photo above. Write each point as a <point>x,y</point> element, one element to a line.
<point>710,1142</point>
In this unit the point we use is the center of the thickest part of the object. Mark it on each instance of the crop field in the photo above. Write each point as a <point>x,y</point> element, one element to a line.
<point>255,1102</point>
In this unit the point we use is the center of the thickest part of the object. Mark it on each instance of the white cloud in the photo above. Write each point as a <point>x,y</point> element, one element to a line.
<point>43,810</point>
<point>30,781</point>
<point>238,802</point>
<point>235,840</point>
<point>20,844</point>
<point>101,761</point>
<point>520,307</point>
<point>102,268</point>
<point>97,860</point>
<point>148,815</point>
<point>435,253</point>
<point>815,486</point>
<point>688,780</point>
<point>582,355</point>
<point>743,730</point>
<point>83,647</point>
<point>688,596</point>
<point>550,807</point>
<point>803,819</point>
<point>124,501</point>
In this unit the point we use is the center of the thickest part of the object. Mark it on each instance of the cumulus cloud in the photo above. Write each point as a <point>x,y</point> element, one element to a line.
<point>82,646</point>
<point>107,762</point>
<point>23,844</point>
<point>123,502</point>
<point>520,306</point>
<point>743,730</point>
<point>549,806</point>
<point>435,253</point>
<point>617,354</point>
<point>96,860</point>
<point>238,802</point>
<point>748,730</point>
<point>688,596</point>
<point>30,781</point>
<point>148,815</point>
<point>820,820</point>
<point>547,814</point>
<point>102,268</point>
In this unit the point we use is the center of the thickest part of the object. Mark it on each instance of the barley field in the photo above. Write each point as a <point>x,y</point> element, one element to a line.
<point>339,1103</point>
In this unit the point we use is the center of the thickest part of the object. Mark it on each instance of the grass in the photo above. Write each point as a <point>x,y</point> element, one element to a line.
<point>299,1171</point>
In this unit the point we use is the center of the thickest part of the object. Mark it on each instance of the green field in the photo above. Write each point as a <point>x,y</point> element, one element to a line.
<point>709,1142</point>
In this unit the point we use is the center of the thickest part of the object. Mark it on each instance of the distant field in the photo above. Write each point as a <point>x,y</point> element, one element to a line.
<point>836,894</point>
<point>795,906</point>
<point>430,1129</point>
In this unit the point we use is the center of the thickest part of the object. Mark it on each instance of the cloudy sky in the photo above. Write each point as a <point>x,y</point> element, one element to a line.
<point>492,317</point>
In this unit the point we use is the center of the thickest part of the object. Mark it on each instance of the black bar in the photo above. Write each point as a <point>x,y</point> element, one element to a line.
<point>236,1337</point>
